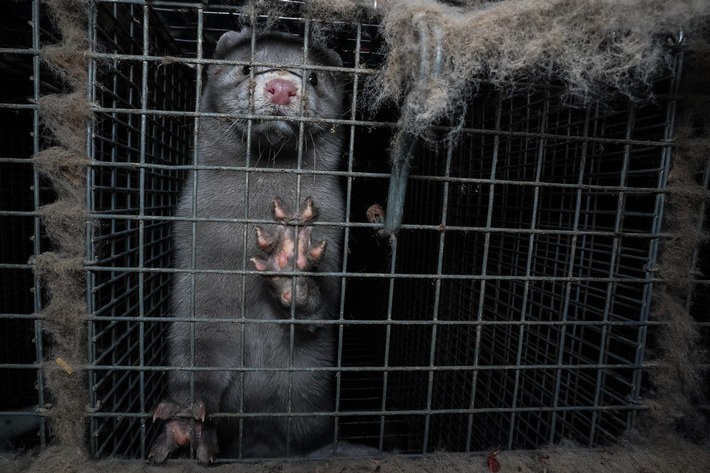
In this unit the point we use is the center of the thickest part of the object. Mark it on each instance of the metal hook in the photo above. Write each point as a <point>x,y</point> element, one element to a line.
<point>402,161</point>
<point>676,41</point>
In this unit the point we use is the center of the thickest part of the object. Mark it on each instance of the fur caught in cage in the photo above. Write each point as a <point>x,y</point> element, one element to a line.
<point>287,229</point>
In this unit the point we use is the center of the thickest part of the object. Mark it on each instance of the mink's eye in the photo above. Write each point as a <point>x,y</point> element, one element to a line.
<point>246,70</point>
<point>313,79</point>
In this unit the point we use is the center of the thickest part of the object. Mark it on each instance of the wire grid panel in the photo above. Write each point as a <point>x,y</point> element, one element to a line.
<point>144,135</point>
<point>23,237</point>
<point>511,312</point>
<point>538,312</point>
<point>134,180</point>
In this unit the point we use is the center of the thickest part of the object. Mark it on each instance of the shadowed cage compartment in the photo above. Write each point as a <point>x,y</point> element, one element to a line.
<point>137,153</point>
<point>512,310</point>
<point>22,234</point>
<point>533,288</point>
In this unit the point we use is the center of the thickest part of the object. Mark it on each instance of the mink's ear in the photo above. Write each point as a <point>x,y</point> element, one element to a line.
<point>323,54</point>
<point>229,40</point>
<point>333,58</point>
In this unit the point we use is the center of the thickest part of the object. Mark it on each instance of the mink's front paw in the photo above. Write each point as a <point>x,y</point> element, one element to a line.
<point>289,249</point>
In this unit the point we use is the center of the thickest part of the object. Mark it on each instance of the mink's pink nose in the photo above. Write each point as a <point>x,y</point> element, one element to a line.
<point>280,91</point>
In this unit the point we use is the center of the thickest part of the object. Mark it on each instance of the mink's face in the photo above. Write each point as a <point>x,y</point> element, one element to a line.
<point>275,84</point>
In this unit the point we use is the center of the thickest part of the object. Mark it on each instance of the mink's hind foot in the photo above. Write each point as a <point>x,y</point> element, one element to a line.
<point>181,431</point>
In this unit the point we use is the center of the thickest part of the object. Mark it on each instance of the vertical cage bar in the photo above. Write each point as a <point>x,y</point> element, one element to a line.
<point>484,264</point>
<point>654,246</point>
<point>247,175</point>
<point>37,228</point>
<point>437,293</point>
<point>193,210</point>
<point>141,221</point>
<point>528,267</point>
<point>388,339</point>
<point>578,206</point>
<point>90,246</point>
<point>346,235</point>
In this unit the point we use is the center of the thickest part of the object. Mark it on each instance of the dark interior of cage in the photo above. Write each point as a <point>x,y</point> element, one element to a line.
<point>511,312</point>
<point>21,235</point>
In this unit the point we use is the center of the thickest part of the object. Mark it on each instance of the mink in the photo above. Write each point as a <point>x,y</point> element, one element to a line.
<point>246,165</point>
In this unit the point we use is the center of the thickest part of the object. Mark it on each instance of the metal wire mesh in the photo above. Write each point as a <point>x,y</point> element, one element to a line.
<point>555,233</point>
<point>134,182</point>
<point>22,236</point>
<point>511,312</point>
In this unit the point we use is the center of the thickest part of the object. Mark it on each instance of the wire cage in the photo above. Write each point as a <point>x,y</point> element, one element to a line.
<point>22,234</point>
<point>511,311</point>
<point>134,186</point>
<point>539,286</point>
